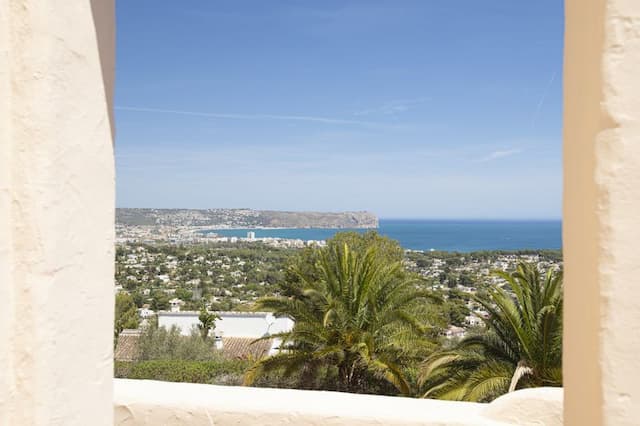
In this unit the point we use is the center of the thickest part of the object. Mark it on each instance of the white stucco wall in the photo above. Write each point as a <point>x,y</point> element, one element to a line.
<point>257,325</point>
<point>601,211</point>
<point>185,321</point>
<point>56,213</point>
<point>56,228</point>
<point>230,324</point>
<point>146,402</point>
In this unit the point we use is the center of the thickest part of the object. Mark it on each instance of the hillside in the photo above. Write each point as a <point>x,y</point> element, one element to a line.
<point>245,218</point>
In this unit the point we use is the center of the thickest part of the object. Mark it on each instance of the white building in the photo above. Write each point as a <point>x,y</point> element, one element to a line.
<point>230,324</point>
<point>454,332</point>
<point>145,313</point>
<point>175,304</point>
<point>251,235</point>
<point>472,320</point>
<point>252,325</point>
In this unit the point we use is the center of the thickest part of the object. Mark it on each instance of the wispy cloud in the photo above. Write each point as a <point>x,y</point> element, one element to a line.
<point>392,107</point>
<point>498,154</point>
<point>227,116</point>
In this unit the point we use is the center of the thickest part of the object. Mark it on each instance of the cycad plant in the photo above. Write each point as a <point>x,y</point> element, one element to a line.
<point>521,346</point>
<point>355,321</point>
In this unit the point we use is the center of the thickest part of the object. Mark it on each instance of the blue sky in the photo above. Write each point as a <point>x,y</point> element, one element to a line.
<point>421,109</point>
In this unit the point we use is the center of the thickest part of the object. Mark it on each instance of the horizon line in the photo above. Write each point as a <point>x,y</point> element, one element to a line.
<point>479,219</point>
<point>433,218</point>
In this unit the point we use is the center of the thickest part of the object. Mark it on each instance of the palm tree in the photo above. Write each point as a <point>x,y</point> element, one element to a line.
<point>354,320</point>
<point>207,322</point>
<point>521,347</point>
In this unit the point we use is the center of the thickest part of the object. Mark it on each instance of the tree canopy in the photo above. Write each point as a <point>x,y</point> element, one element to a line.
<point>356,313</point>
<point>522,346</point>
<point>207,322</point>
<point>126,315</point>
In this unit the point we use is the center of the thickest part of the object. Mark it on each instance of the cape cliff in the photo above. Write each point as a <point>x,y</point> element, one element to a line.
<point>245,218</point>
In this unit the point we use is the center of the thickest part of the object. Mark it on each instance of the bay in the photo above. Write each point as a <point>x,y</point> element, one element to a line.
<point>445,235</point>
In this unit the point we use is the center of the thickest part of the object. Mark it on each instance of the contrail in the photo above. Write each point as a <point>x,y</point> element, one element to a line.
<point>325,120</point>
<point>498,154</point>
<point>542,99</point>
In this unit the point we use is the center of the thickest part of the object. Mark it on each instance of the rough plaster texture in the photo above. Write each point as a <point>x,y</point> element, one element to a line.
<point>601,210</point>
<point>56,214</point>
<point>539,406</point>
<point>56,236</point>
<point>146,402</point>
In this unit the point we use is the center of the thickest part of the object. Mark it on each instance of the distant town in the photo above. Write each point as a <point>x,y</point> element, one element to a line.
<point>187,226</point>
<point>244,218</point>
<point>233,273</point>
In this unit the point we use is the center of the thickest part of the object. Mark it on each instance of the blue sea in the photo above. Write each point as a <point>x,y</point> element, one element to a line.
<point>445,235</point>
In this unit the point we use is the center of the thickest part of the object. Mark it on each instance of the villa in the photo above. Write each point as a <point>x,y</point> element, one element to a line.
<point>231,324</point>
<point>236,334</point>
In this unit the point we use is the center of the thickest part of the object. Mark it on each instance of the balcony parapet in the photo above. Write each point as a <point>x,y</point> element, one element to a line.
<point>147,402</point>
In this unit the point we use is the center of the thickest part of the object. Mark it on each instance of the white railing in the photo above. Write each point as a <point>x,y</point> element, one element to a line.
<point>146,402</point>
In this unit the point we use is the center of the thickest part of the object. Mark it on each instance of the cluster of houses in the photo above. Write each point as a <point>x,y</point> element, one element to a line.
<point>277,242</point>
<point>480,269</point>
<point>473,320</point>
<point>231,279</point>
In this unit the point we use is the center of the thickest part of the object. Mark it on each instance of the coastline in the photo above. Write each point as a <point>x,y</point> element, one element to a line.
<point>454,236</point>
<point>252,228</point>
<point>427,235</point>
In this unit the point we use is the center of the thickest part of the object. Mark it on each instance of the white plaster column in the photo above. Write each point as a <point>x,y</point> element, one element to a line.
<point>57,197</point>
<point>602,212</point>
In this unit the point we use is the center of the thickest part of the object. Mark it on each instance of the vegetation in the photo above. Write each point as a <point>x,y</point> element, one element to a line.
<point>158,343</point>
<point>244,218</point>
<point>369,317</point>
<point>522,346</point>
<point>226,276</point>
<point>207,322</point>
<point>126,314</point>
<point>359,317</point>
<point>167,355</point>
<point>219,371</point>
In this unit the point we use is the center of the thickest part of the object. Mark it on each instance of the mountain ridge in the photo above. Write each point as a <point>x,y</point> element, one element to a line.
<point>245,218</point>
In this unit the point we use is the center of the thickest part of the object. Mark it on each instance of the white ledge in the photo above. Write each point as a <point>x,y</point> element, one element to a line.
<point>146,402</point>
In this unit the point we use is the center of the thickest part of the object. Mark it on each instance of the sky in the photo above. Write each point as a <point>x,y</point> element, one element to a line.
<point>408,109</point>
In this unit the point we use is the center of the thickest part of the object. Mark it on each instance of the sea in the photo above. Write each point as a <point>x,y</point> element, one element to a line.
<point>439,235</point>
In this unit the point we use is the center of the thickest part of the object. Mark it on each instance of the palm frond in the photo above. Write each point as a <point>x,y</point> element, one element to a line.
<point>522,345</point>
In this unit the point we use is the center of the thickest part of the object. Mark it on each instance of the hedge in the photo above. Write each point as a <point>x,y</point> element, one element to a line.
<point>228,372</point>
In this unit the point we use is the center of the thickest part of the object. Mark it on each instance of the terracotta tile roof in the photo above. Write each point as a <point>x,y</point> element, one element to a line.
<point>127,348</point>
<point>245,347</point>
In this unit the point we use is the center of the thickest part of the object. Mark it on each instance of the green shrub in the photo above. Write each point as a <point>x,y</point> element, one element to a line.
<point>220,372</point>
<point>121,369</point>
<point>158,343</point>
